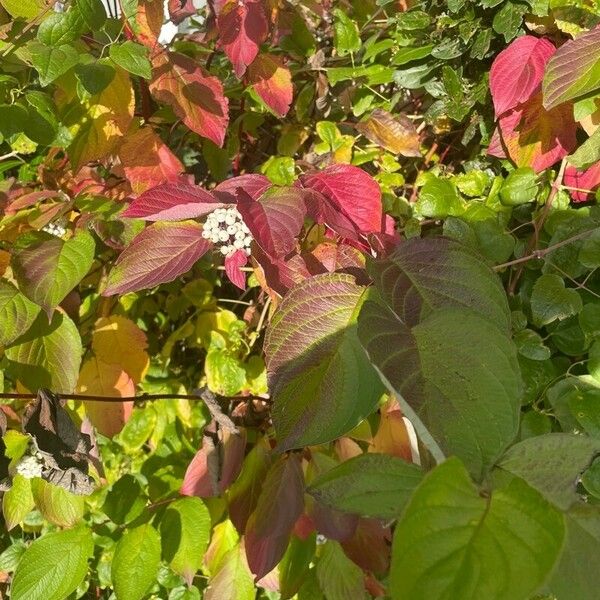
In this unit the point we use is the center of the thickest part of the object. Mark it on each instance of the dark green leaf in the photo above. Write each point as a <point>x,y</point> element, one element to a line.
<point>374,485</point>
<point>551,300</point>
<point>552,464</point>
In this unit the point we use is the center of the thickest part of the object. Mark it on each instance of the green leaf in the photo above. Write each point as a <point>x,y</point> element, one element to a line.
<point>233,580</point>
<point>95,77</point>
<point>225,375</point>
<point>185,530</point>
<point>574,70</point>
<point>453,542</point>
<point>135,562</point>
<point>92,12</point>
<point>345,33</point>
<point>42,124</point>
<point>589,253</point>
<point>17,502</point>
<point>47,268</point>
<point>28,9</point>
<point>574,577</point>
<point>125,500</point>
<point>374,485</point>
<point>520,187</point>
<point>48,355</point>
<point>551,300</point>
<point>133,57</point>
<point>437,329</point>
<point>339,578</point>
<point>438,199</point>
<point>295,564</point>
<point>138,429</point>
<point>552,464</point>
<point>53,566</point>
<point>56,504</point>
<point>507,21</point>
<point>17,313</point>
<point>588,153</point>
<point>60,28</point>
<point>321,381</point>
<point>52,61</point>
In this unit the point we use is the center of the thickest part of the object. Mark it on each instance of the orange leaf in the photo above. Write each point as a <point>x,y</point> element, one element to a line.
<point>195,96</point>
<point>536,137</point>
<point>147,161</point>
<point>98,378</point>
<point>392,436</point>
<point>396,134</point>
<point>272,81</point>
<point>148,22</point>
<point>117,340</point>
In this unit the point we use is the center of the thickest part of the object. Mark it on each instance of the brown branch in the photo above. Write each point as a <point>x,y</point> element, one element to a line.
<point>142,397</point>
<point>544,251</point>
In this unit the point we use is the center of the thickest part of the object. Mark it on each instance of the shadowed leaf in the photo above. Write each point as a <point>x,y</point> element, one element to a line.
<point>272,81</point>
<point>394,133</point>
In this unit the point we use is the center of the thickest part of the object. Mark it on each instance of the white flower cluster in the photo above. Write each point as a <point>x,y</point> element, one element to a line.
<point>58,229</point>
<point>225,228</point>
<point>30,466</point>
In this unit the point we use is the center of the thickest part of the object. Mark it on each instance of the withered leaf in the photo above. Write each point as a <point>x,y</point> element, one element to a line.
<point>394,133</point>
<point>64,449</point>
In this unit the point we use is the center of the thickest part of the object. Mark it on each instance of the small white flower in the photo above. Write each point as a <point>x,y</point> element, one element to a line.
<point>29,467</point>
<point>224,250</point>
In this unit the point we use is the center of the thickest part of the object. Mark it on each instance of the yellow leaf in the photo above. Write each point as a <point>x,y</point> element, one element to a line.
<point>119,341</point>
<point>98,378</point>
<point>98,124</point>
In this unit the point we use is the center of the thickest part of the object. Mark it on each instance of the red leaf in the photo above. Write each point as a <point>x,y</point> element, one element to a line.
<point>333,524</point>
<point>370,547</point>
<point>252,184</point>
<point>244,493</point>
<point>233,264</point>
<point>275,219</point>
<point>179,10</point>
<point>195,96</point>
<point>272,81</point>
<point>172,202</point>
<point>280,504</point>
<point>147,161</point>
<point>495,147</point>
<point>229,454</point>
<point>586,181</point>
<point>160,253</point>
<point>352,191</point>
<point>518,70</point>
<point>536,137</point>
<point>242,26</point>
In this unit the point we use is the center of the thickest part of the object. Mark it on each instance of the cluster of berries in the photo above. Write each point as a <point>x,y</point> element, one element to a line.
<point>57,229</point>
<point>225,228</point>
<point>31,464</point>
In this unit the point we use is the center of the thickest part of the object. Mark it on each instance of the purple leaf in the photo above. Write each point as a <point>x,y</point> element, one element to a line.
<point>172,202</point>
<point>160,253</point>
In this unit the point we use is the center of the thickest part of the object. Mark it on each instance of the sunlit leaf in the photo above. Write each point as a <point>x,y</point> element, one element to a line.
<point>160,253</point>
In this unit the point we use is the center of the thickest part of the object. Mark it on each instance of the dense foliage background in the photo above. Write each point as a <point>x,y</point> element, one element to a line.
<point>300,300</point>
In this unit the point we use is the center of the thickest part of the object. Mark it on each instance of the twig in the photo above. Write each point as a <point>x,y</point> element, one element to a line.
<point>541,253</point>
<point>141,397</point>
<point>538,224</point>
